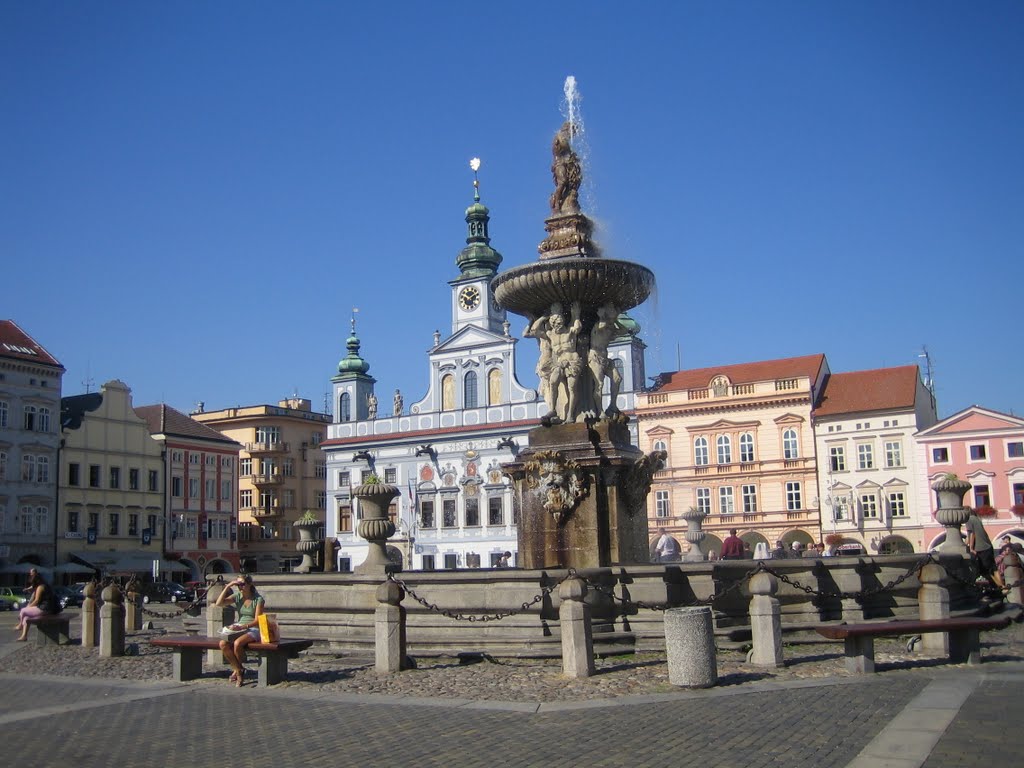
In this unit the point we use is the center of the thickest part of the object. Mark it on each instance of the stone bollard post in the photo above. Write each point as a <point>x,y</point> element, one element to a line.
<point>933,603</point>
<point>765,621</point>
<point>133,609</point>
<point>217,617</point>
<point>112,623</point>
<point>690,647</point>
<point>577,634</point>
<point>90,617</point>
<point>389,629</point>
<point>1013,576</point>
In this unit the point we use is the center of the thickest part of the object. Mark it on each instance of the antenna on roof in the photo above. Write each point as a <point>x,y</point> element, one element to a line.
<point>929,373</point>
<point>88,381</point>
<point>327,403</point>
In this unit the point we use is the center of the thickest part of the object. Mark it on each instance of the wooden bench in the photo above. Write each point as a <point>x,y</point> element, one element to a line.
<point>964,640</point>
<point>188,656</point>
<point>50,629</point>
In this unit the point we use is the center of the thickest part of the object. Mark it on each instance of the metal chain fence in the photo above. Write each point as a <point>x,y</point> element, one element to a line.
<point>544,592</point>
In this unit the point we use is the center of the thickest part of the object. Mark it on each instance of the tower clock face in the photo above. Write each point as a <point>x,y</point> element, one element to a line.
<point>469,298</point>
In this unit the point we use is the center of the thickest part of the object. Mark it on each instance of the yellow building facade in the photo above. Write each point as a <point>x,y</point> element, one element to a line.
<point>741,448</point>
<point>282,473</point>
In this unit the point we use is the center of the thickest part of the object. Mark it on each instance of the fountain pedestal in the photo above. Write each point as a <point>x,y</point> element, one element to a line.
<point>580,489</point>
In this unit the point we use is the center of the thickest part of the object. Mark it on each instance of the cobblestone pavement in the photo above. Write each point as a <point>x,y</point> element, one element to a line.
<point>90,712</point>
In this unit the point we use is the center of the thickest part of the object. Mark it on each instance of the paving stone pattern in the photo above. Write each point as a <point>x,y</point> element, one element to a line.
<point>206,725</point>
<point>986,731</point>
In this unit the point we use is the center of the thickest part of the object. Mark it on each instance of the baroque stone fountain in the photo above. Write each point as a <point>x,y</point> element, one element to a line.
<point>581,485</point>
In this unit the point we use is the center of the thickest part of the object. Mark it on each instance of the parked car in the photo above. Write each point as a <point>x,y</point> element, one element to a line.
<point>163,592</point>
<point>12,598</point>
<point>69,597</point>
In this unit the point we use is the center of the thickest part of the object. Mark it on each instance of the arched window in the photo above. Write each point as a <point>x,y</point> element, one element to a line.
<point>469,393</point>
<point>700,451</point>
<point>661,445</point>
<point>447,392</point>
<point>345,407</point>
<point>494,386</point>
<point>746,447</point>
<point>790,447</point>
<point>724,449</point>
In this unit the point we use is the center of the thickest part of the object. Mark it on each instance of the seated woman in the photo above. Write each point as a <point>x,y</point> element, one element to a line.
<point>248,604</point>
<point>42,602</point>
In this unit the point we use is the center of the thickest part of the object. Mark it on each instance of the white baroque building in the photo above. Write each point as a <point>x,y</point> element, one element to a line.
<point>446,450</point>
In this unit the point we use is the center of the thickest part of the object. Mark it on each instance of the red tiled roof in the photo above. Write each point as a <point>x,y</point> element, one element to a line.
<point>745,373</point>
<point>15,343</point>
<point>164,420</point>
<point>882,389</point>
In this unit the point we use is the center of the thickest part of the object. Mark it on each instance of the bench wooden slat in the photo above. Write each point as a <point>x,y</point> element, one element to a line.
<point>895,628</point>
<point>188,656</point>
<point>213,643</point>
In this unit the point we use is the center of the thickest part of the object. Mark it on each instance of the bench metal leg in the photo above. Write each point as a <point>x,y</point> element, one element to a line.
<point>187,664</point>
<point>965,646</point>
<point>860,655</point>
<point>273,668</point>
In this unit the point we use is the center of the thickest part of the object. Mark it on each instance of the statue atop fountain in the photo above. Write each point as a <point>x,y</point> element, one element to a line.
<point>581,485</point>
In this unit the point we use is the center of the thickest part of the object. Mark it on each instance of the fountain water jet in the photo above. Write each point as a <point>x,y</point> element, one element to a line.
<point>581,484</point>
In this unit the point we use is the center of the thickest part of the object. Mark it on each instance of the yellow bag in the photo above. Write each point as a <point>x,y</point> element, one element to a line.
<point>268,627</point>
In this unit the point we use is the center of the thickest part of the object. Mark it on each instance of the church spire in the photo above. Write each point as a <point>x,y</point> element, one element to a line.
<point>477,259</point>
<point>353,363</point>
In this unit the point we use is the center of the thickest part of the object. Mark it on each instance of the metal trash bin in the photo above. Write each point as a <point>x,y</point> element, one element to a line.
<point>690,647</point>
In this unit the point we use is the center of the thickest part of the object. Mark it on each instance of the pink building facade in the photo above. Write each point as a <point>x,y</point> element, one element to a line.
<point>986,448</point>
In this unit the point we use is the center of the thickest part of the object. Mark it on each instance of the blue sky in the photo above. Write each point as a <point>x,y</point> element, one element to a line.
<point>194,195</point>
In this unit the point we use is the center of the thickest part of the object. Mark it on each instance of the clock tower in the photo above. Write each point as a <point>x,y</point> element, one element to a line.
<point>472,300</point>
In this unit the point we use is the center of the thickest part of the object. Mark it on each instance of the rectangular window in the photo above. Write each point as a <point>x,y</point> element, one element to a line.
<point>794,496</point>
<point>151,523</point>
<point>114,524</point>
<point>270,435</point>
<point>865,456</point>
<point>749,499</point>
<point>472,511</point>
<point>344,479</point>
<point>288,468</point>
<point>837,457</point>
<point>661,504</point>
<point>978,452</point>
<point>344,518</point>
<point>133,479</point>
<point>3,468</point>
<point>73,474</point>
<point>365,474</point>
<point>391,475</point>
<point>982,498</point>
<point>194,457</point>
<point>426,513</point>
<point>193,487</point>
<point>133,524</point>
<point>29,424</point>
<point>897,504</point>
<point>211,489</point>
<point>893,454</point>
<point>225,490</point>
<point>320,469</point>
<point>1015,450</point>
<point>840,509</point>
<point>176,487</point>
<point>704,500</point>
<point>428,563</point>
<point>868,506</point>
<point>321,499</point>
<point>94,475</point>
<point>245,498</point>
<point>4,409</point>
<point>176,456</point>
<point>940,455</point>
<point>191,527</point>
<point>245,466</point>
<point>451,562</point>
<point>1018,493</point>
<point>73,522</point>
<point>495,511</point>
<point>449,517</point>
<point>94,521</point>
<point>43,424</point>
<point>726,503</point>
<point>154,480</point>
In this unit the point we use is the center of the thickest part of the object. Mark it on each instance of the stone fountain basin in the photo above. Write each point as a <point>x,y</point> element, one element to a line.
<point>531,289</point>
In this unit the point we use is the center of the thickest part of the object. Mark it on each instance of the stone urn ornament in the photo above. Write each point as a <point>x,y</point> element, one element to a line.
<point>374,526</point>
<point>951,511</point>
<point>694,518</point>
<point>308,543</point>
